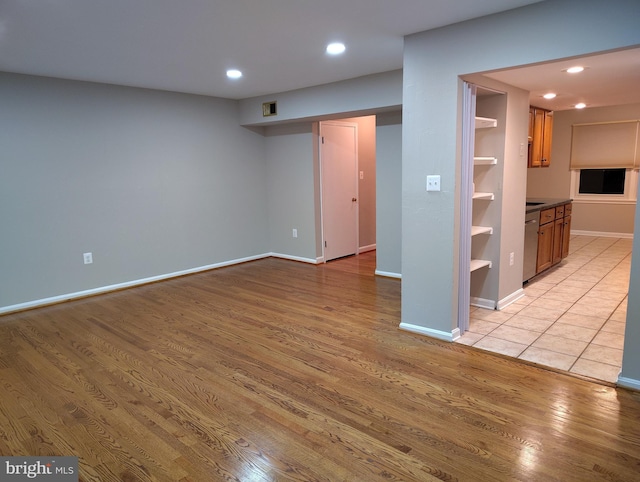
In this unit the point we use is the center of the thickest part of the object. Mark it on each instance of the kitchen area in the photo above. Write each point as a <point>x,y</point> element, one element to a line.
<point>571,312</point>
<point>547,226</point>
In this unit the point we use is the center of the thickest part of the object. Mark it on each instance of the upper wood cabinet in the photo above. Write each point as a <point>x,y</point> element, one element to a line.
<point>540,133</point>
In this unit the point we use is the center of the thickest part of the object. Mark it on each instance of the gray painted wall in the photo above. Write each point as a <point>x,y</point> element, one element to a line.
<point>355,97</point>
<point>433,62</point>
<point>150,182</point>
<point>555,181</point>
<point>290,185</point>
<point>389,193</point>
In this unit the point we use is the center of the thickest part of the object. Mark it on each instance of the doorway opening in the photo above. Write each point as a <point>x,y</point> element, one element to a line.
<point>347,154</point>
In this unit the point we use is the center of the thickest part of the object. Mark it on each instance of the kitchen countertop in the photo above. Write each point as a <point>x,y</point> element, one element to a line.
<point>545,203</point>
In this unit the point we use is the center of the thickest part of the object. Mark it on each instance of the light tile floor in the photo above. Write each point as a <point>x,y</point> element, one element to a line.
<point>571,318</point>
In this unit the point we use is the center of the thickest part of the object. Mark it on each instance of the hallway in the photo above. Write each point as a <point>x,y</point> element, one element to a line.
<point>572,318</point>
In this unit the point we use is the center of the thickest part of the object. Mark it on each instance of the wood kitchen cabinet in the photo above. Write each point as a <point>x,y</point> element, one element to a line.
<point>545,240</point>
<point>558,229</point>
<point>566,230</point>
<point>558,225</point>
<point>540,135</point>
<point>553,236</point>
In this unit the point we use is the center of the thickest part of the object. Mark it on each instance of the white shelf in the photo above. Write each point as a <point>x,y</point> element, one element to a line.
<point>479,263</point>
<point>485,161</point>
<point>485,122</point>
<point>484,195</point>
<point>475,230</point>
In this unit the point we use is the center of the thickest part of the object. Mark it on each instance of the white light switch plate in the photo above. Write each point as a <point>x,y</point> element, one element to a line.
<point>433,183</point>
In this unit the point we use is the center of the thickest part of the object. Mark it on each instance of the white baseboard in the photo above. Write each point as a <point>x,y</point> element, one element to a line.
<point>630,383</point>
<point>440,335</point>
<point>127,284</point>
<point>364,249</point>
<point>482,303</point>
<point>507,300</point>
<point>388,274</point>
<point>297,258</point>
<point>601,234</point>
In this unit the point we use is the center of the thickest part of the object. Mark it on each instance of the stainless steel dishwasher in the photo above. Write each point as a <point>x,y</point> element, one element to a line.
<point>531,222</point>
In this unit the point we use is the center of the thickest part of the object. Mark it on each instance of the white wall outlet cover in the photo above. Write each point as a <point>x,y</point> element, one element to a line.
<point>87,257</point>
<point>433,183</point>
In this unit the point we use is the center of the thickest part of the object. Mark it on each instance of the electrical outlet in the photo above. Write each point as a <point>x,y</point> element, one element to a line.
<point>433,183</point>
<point>511,259</point>
<point>361,175</point>
<point>295,233</point>
<point>88,258</point>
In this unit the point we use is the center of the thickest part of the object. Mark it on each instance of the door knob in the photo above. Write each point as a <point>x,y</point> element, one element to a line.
<point>353,199</point>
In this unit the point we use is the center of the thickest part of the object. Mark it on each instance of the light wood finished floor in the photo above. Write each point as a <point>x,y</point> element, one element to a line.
<point>277,370</point>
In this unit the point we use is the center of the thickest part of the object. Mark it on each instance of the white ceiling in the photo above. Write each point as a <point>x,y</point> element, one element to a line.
<point>608,79</point>
<point>187,45</point>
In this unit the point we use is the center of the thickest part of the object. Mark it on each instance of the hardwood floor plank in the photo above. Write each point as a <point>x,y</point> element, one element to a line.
<point>278,370</point>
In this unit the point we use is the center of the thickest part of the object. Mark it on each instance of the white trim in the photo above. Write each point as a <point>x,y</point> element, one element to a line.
<point>388,274</point>
<point>440,335</point>
<point>631,383</point>
<point>127,284</point>
<point>482,303</point>
<point>601,234</point>
<point>603,201</point>
<point>365,249</point>
<point>297,258</point>
<point>507,300</point>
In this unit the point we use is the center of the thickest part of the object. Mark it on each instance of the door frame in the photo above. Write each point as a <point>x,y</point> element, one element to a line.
<point>357,186</point>
<point>466,190</point>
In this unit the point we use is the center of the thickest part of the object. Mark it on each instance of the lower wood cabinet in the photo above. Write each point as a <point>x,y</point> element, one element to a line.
<point>558,228</point>
<point>566,234</point>
<point>545,247</point>
<point>553,236</point>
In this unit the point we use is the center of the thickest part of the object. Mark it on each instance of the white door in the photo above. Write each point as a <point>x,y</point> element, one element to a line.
<point>339,161</point>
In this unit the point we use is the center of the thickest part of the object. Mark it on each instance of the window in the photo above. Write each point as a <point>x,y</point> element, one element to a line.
<point>602,181</point>
<point>607,186</point>
<point>604,162</point>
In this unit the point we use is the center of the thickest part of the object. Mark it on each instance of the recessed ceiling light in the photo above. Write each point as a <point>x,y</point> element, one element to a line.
<point>575,70</point>
<point>581,105</point>
<point>234,74</point>
<point>550,95</point>
<point>335,48</point>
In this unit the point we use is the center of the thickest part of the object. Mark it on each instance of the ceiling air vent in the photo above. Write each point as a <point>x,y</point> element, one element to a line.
<point>269,108</point>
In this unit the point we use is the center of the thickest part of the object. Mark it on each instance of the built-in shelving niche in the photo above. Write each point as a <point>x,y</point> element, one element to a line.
<point>480,124</point>
<point>486,170</point>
